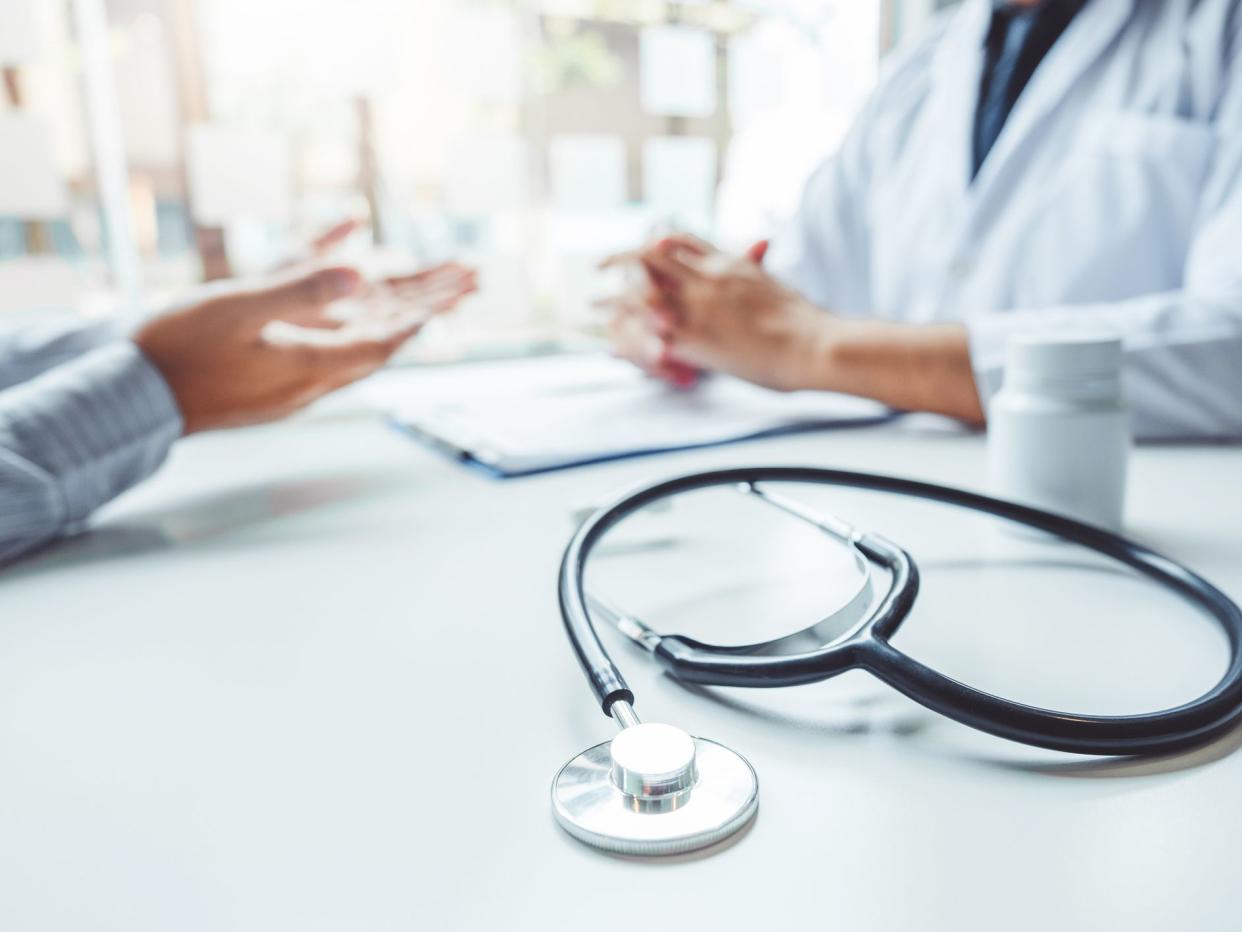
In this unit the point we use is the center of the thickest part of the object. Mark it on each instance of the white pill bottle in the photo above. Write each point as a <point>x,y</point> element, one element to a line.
<point>1059,431</point>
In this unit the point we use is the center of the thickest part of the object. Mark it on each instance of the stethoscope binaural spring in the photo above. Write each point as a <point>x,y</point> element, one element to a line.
<point>654,789</point>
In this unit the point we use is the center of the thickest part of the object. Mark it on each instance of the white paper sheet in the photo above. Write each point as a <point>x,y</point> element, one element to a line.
<point>30,182</point>
<point>530,415</point>
<point>677,71</point>
<point>239,174</point>
<point>587,172</point>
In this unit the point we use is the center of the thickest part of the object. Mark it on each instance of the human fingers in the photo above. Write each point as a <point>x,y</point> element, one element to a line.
<point>336,359</point>
<point>437,296</point>
<point>669,271</point>
<point>621,259</point>
<point>432,271</point>
<point>684,242</point>
<point>309,364</point>
<point>630,337</point>
<point>319,247</point>
<point>380,306</point>
<point>331,238</point>
<point>301,299</point>
<point>647,308</point>
<point>633,339</point>
<point>662,320</point>
<point>676,372</point>
<point>444,272</point>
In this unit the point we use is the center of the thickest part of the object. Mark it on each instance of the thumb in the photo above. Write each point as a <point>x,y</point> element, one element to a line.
<point>758,251</point>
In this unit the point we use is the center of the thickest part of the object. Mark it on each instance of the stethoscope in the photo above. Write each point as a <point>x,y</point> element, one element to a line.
<point>654,789</point>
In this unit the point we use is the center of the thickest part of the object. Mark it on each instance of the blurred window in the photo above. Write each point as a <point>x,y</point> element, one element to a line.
<point>531,137</point>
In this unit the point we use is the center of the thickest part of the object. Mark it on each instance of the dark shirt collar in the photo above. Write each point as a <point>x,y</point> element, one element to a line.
<point>1070,6</point>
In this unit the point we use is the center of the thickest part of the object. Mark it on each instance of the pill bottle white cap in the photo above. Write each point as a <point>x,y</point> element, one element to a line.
<point>1077,366</point>
<point>1083,356</point>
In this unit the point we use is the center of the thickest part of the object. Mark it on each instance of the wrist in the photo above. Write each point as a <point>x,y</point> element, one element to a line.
<point>833,347</point>
<point>801,354</point>
<point>911,367</point>
<point>148,351</point>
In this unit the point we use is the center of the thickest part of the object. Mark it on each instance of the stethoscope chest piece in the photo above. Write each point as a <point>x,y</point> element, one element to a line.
<point>653,789</point>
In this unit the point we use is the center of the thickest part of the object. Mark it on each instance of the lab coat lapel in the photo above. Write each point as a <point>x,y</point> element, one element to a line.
<point>1085,40</point>
<point>956,71</point>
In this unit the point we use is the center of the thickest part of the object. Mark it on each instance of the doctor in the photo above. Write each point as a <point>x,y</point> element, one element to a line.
<point>1056,166</point>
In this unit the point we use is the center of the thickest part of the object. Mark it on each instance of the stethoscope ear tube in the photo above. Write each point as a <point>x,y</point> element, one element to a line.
<point>602,674</point>
<point>1158,732</point>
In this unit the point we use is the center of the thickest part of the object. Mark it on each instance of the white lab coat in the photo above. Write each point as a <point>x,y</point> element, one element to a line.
<point>1111,201</point>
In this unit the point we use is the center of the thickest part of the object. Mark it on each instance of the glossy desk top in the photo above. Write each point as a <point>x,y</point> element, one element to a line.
<point>312,677</point>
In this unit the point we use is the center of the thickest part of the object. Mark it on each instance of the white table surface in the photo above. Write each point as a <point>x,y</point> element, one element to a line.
<point>312,677</point>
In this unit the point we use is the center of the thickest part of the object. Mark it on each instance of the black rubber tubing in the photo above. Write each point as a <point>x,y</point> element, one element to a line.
<point>1157,732</point>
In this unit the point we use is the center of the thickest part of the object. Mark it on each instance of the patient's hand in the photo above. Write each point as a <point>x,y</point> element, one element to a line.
<point>248,356</point>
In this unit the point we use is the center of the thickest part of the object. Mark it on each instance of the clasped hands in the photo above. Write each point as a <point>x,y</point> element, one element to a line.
<point>695,308</point>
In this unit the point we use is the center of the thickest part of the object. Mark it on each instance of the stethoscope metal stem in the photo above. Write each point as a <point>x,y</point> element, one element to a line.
<point>831,525</point>
<point>642,635</point>
<point>624,715</point>
<point>845,618</point>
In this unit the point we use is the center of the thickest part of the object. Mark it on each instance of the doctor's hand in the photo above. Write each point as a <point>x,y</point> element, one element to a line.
<point>705,309</point>
<point>632,333</point>
<point>255,355</point>
<point>700,308</point>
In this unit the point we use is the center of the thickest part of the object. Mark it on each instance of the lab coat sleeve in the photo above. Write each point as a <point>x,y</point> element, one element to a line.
<point>1182,367</point>
<point>76,436</point>
<point>1183,350</point>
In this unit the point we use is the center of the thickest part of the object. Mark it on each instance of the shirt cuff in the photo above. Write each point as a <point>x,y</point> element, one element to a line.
<point>97,425</point>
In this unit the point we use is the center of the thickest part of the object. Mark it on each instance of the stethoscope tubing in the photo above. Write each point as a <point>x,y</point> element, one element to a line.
<point>870,649</point>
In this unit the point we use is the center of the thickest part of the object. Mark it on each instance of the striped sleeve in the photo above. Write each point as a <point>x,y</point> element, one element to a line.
<point>77,436</point>
<point>30,350</point>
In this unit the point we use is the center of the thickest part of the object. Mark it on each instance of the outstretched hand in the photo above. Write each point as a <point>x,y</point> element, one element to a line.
<point>257,355</point>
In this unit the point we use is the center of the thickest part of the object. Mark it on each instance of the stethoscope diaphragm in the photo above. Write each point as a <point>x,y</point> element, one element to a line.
<point>655,790</point>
